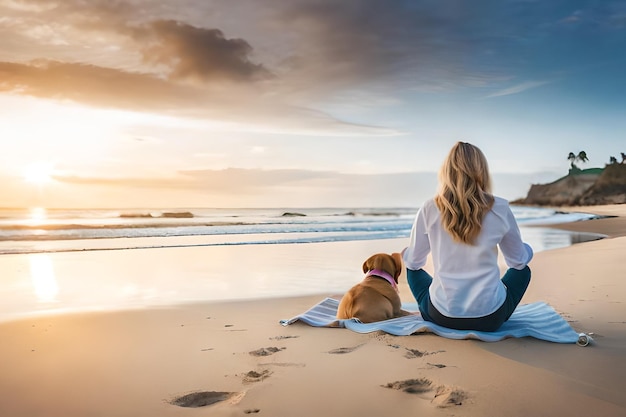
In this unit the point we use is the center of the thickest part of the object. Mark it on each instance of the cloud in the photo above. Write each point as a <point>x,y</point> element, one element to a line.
<point>610,16</point>
<point>276,188</point>
<point>250,179</point>
<point>575,17</point>
<point>519,88</point>
<point>231,180</point>
<point>164,65</point>
<point>382,44</point>
<point>246,180</point>
<point>90,84</point>
<point>234,109</point>
<point>183,50</point>
<point>199,53</point>
<point>303,50</point>
<point>309,48</point>
<point>127,182</point>
<point>270,65</point>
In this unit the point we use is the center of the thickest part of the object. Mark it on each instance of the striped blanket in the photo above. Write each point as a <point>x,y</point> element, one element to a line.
<point>538,320</point>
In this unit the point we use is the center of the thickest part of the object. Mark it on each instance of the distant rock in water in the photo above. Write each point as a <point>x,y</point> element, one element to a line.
<point>587,187</point>
<point>371,213</point>
<point>293,214</point>
<point>178,215</point>
<point>135,216</point>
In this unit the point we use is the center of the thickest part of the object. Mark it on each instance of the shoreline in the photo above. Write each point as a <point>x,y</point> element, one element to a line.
<point>137,362</point>
<point>610,224</point>
<point>42,237</point>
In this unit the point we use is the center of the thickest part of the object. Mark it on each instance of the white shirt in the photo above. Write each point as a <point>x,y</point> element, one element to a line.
<point>466,280</point>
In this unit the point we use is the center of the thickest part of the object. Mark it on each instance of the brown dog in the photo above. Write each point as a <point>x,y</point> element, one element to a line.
<point>375,298</point>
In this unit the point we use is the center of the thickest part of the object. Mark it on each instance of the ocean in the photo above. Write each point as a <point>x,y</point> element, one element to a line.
<point>62,230</point>
<point>59,261</point>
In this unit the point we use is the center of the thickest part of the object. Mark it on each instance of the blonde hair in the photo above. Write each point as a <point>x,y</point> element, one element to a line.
<point>464,195</point>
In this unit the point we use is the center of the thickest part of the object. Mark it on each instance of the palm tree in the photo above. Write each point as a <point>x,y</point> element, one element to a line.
<point>572,158</point>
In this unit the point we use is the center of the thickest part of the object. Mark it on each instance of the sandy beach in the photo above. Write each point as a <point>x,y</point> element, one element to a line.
<point>165,360</point>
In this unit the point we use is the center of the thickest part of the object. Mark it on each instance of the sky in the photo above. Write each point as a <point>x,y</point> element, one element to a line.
<point>299,103</point>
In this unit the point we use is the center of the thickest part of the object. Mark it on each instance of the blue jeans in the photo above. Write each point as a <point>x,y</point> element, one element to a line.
<point>515,280</point>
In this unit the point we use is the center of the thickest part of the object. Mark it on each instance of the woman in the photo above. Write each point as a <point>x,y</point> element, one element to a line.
<point>463,226</point>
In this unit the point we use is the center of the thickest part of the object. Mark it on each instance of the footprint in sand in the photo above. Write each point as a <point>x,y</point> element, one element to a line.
<point>254,376</point>
<point>283,337</point>
<point>414,353</point>
<point>436,365</point>
<point>202,398</point>
<point>412,386</point>
<point>342,350</point>
<point>266,351</point>
<point>448,397</point>
<point>444,396</point>
<point>283,364</point>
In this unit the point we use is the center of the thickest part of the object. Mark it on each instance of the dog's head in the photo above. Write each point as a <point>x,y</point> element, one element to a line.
<point>392,264</point>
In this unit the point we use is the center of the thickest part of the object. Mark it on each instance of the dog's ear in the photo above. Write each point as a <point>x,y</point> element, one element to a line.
<point>366,264</point>
<point>373,262</point>
<point>397,260</point>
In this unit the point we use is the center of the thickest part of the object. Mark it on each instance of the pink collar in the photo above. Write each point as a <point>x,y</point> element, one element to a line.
<point>382,274</point>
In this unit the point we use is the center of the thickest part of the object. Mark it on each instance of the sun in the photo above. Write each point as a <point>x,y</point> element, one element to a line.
<point>38,173</point>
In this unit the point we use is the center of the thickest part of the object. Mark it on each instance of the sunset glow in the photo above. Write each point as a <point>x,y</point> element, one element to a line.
<point>44,280</point>
<point>38,173</point>
<point>37,215</point>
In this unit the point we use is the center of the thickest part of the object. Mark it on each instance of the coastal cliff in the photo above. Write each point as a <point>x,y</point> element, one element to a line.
<point>582,187</point>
